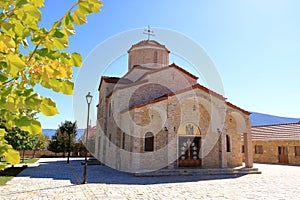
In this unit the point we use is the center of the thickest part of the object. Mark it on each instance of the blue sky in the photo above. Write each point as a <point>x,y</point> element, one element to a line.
<point>254,44</point>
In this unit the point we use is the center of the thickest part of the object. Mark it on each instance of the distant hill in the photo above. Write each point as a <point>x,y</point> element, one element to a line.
<point>259,119</point>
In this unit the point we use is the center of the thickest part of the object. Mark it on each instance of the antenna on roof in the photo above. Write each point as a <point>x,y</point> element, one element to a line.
<point>148,32</point>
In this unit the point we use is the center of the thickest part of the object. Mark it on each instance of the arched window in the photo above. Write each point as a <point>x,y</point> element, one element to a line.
<point>109,109</point>
<point>155,57</point>
<point>149,142</point>
<point>123,140</point>
<point>227,143</point>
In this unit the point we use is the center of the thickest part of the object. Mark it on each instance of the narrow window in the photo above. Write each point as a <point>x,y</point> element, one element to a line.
<point>109,137</point>
<point>123,140</point>
<point>155,57</point>
<point>109,110</point>
<point>227,143</point>
<point>243,149</point>
<point>258,149</point>
<point>149,142</point>
<point>297,150</point>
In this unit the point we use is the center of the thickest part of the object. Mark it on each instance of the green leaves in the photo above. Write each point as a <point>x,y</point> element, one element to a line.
<point>76,59</point>
<point>79,18</point>
<point>84,8</point>
<point>30,125</point>
<point>37,3</point>
<point>67,87</point>
<point>11,156</point>
<point>89,6</point>
<point>46,62</point>
<point>48,107</point>
<point>6,43</point>
<point>14,64</point>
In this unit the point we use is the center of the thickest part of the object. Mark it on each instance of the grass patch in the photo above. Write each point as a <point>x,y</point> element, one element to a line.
<point>9,173</point>
<point>26,161</point>
<point>29,160</point>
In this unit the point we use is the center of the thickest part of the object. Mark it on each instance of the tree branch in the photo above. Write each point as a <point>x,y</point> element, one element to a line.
<point>43,39</point>
<point>40,42</point>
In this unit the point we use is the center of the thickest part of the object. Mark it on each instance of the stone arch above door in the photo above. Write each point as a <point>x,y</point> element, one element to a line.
<point>192,110</point>
<point>241,124</point>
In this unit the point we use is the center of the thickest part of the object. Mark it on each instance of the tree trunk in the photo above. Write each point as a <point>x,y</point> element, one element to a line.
<point>23,152</point>
<point>33,154</point>
<point>64,149</point>
<point>69,150</point>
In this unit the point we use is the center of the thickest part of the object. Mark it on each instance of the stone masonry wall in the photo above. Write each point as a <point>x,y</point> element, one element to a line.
<point>234,157</point>
<point>147,56</point>
<point>270,151</point>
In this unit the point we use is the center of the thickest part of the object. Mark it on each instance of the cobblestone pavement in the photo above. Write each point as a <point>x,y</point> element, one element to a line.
<point>54,179</point>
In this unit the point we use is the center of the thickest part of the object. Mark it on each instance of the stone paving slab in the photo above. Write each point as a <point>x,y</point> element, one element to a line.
<point>52,178</point>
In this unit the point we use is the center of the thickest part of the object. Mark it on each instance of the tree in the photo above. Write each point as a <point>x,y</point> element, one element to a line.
<point>19,140</point>
<point>71,130</point>
<point>31,55</point>
<point>6,150</point>
<point>64,138</point>
<point>38,142</point>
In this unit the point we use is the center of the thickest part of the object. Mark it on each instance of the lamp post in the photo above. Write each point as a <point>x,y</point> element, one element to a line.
<point>89,98</point>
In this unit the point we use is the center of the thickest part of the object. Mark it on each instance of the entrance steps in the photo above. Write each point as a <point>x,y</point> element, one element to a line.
<point>199,172</point>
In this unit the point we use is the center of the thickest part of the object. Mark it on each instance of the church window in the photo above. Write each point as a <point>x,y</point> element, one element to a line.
<point>155,57</point>
<point>123,140</point>
<point>297,150</point>
<point>109,110</point>
<point>228,143</point>
<point>109,137</point>
<point>258,149</point>
<point>149,142</point>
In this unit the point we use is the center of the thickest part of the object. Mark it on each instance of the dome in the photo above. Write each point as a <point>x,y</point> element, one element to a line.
<point>148,43</point>
<point>148,53</point>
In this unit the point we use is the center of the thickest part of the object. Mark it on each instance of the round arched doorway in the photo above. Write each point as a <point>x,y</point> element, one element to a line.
<point>189,145</point>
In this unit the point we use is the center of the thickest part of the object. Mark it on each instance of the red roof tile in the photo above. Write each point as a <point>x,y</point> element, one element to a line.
<point>276,132</point>
<point>109,79</point>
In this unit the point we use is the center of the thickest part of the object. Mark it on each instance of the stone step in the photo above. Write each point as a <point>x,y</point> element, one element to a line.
<point>195,172</point>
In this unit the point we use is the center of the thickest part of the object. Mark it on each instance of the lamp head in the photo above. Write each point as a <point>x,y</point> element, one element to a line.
<point>89,98</point>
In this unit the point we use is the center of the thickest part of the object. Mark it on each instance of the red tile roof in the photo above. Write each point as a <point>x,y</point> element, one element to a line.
<point>238,108</point>
<point>164,97</point>
<point>110,79</point>
<point>276,132</point>
<point>165,68</point>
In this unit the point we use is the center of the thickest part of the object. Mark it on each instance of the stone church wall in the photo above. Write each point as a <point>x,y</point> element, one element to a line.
<point>234,157</point>
<point>147,56</point>
<point>270,151</point>
<point>212,159</point>
<point>136,73</point>
<point>172,79</point>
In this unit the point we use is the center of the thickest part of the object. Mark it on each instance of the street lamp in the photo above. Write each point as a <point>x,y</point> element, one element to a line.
<point>89,98</point>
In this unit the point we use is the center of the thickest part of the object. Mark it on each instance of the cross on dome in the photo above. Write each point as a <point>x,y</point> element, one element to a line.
<point>148,32</point>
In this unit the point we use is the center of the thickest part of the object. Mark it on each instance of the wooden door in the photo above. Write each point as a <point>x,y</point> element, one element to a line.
<point>188,151</point>
<point>283,154</point>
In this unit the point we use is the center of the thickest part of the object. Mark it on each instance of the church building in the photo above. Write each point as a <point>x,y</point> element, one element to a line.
<point>157,116</point>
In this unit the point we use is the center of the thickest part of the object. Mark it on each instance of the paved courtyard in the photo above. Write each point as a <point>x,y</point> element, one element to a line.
<point>54,179</point>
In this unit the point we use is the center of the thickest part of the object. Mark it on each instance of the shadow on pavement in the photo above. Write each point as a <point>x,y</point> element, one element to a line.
<point>60,170</point>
